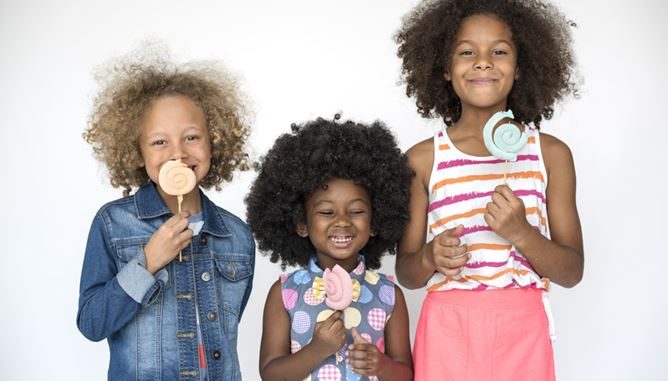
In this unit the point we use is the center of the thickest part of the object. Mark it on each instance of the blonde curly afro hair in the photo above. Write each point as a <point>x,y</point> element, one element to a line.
<point>129,86</point>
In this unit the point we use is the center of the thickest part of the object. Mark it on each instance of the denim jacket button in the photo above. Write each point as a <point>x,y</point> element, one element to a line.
<point>212,315</point>
<point>206,276</point>
<point>202,239</point>
<point>216,355</point>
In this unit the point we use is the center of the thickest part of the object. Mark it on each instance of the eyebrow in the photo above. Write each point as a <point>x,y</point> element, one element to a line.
<point>493,42</point>
<point>350,202</point>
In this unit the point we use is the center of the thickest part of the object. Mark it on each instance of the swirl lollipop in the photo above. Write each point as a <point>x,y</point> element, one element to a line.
<point>176,179</point>
<point>338,288</point>
<point>505,140</point>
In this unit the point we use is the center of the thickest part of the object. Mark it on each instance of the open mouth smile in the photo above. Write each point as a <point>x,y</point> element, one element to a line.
<point>341,241</point>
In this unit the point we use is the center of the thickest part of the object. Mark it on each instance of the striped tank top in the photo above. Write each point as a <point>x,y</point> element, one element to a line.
<point>460,187</point>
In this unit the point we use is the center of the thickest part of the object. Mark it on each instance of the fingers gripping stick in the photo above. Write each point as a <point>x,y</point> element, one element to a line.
<point>176,179</point>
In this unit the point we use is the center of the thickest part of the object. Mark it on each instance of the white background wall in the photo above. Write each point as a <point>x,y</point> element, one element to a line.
<point>301,59</point>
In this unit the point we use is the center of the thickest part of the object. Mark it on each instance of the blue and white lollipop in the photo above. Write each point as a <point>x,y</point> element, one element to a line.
<point>505,140</point>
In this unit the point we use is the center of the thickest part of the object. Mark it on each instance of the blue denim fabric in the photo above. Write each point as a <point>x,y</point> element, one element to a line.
<point>149,320</point>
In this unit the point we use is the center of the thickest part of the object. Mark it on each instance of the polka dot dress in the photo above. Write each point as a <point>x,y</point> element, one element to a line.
<point>369,313</point>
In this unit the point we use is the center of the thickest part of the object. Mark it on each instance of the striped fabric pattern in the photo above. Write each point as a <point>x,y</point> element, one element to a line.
<point>461,185</point>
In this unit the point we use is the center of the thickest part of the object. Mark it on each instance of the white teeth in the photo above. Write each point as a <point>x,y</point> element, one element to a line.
<point>341,239</point>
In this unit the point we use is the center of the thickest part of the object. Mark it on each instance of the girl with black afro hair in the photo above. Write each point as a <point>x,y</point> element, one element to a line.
<point>499,223</point>
<point>332,198</point>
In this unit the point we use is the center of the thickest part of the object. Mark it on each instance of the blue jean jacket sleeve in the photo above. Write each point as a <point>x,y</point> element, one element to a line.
<point>108,299</point>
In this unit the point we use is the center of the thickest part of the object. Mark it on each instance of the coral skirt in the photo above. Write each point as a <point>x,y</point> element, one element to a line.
<point>494,335</point>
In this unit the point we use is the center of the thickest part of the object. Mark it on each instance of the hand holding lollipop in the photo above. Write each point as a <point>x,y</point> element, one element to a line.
<point>176,179</point>
<point>338,290</point>
<point>505,140</point>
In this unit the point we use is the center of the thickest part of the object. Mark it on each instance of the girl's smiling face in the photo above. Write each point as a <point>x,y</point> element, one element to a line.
<point>338,223</point>
<point>483,65</point>
<point>174,127</point>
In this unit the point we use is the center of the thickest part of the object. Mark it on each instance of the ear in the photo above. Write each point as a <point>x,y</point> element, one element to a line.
<point>517,73</point>
<point>372,233</point>
<point>301,230</point>
<point>447,76</point>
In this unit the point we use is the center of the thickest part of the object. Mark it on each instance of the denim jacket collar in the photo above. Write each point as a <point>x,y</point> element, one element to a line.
<point>149,205</point>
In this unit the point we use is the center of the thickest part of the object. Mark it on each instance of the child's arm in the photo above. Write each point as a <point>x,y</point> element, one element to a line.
<point>560,259</point>
<point>110,298</point>
<point>416,261</point>
<point>276,360</point>
<point>396,364</point>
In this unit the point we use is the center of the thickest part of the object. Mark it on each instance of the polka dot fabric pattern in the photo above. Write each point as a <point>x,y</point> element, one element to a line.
<point>369,313</point>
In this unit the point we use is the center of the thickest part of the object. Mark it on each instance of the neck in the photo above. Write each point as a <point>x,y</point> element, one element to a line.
<point>326,262</point>
<point>474,119</point>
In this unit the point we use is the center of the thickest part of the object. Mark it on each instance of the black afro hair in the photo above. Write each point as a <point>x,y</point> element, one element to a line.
<point>544,55</point>
<point>302,162</point>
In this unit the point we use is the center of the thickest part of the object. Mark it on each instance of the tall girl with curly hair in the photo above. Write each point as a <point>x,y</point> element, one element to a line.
<point>333,198</point>
<point>167,318</point>
<point>488,233</point>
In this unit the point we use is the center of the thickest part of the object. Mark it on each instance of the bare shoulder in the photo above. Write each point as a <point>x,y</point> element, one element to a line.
<point>553,147</point>
<point>275,291</point>
<point>555,152</point>
<point>421,157</point>
<point>421,148</point>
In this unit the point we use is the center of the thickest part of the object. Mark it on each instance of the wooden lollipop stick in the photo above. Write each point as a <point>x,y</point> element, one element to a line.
<point>176,179</point>
<point>179,198</point>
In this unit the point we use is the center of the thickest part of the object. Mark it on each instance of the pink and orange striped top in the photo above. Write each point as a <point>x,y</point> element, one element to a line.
<point>461,185</point>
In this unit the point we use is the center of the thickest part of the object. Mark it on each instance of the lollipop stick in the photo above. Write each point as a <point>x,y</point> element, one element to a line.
<point>179,198</point>
<point>505,173</point>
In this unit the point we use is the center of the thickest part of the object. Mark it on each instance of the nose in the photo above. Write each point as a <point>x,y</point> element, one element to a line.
<point>482,62</point>
<point>177,152</point>
<point>342,220</point>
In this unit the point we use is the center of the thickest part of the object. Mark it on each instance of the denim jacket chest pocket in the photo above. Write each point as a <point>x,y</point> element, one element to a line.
<point>234,270</point>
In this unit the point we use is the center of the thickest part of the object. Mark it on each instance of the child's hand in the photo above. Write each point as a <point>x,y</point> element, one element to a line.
<point>506,215</point>
<point>445,253</point>
<point>364,357</point>
<point>166,243</point>
<point>329,335</point>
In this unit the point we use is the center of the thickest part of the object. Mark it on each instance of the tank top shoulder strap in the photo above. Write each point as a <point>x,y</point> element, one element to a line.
<point>443,148</point>
<point>533,148</point>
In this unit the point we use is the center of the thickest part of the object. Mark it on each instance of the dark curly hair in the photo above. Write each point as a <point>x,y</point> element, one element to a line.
<point>544,56</point>
<point>130,84</point>
<point>301,163</point>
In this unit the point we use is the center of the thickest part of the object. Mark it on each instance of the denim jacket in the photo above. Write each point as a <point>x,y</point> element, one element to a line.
<point>149,320</point>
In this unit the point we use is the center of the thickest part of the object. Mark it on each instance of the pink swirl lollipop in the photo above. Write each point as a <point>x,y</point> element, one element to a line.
<point>338,288</point>
<point>176,179</point>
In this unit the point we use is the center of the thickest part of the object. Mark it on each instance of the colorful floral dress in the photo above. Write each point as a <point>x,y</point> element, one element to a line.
<point>304,300</point>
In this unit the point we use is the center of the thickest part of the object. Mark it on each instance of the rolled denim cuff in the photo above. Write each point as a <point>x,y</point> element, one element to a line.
<point>138,282</point>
